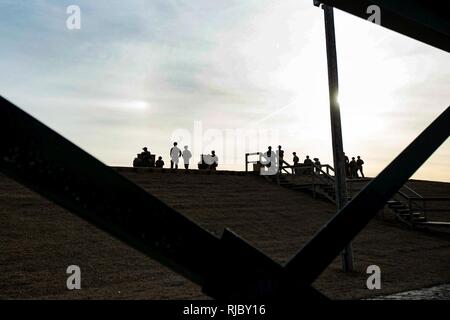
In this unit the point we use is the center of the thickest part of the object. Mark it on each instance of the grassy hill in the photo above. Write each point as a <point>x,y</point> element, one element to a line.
<point>38,240</point>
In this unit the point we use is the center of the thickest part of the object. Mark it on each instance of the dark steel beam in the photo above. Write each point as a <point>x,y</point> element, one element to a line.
<point>47,163</point>
<point>320,251</point>
<point>425,20</point>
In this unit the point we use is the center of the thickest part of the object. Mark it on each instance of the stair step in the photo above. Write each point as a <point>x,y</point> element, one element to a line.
<point>391,202</point>
<point>405,214</point>
<point>299,187</point>
<point>435,223</point>
<point>417,214</point>
<point>397,205</point>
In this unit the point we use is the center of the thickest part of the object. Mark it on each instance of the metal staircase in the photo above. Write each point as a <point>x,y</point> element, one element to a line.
<point>407,204</point>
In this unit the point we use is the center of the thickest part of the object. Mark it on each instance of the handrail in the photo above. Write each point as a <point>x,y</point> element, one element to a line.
<point>246,159</point>
<point>411,190</point>
<point>431,198</point>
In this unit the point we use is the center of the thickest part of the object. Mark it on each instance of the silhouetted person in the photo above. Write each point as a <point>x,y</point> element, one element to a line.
<point>187,155</point>
<point>280,157</point>
<point>318,164</point>
<point>308,163</point>
<point>137,162</point>
<point>352,165</point>
<point>214,160</point>
<point>268,156</point>
<point>347,167</point>
<point>295,160</point>
<point>175,154</point>
<point>359,166</point>
<point>269,151</point>
<point>159,163</point>
<point>145,157</point>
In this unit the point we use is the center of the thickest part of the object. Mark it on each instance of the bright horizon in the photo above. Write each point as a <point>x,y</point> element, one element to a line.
<point>143,74</point>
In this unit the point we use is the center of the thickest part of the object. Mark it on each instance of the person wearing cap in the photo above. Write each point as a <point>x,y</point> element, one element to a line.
<point>317,164</point>
<point>187,155</point>
<point>145,157</point>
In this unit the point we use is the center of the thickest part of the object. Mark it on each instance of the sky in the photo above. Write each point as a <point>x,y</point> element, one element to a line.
<point>233,76</point>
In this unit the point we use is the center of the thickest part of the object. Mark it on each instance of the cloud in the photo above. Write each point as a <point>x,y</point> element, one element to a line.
<point>136,72</point>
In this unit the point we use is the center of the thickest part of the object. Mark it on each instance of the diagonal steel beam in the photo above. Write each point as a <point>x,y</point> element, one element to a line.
<point>47,163</point>
<point>423,20</point>
<point>321,250</point>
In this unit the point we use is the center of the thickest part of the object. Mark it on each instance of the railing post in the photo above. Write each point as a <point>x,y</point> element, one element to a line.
<point>314,186</point>
<point>246,162</point>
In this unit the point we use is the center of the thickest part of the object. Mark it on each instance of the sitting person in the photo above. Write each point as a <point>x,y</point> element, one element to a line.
<point>147,158</point>
<point>137,162</point>
<point>159,163</point>
<point>214,160</point>
<point>209,161</point>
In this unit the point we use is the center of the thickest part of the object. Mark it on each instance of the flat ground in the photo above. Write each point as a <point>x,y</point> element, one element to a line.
<point>38,240</point>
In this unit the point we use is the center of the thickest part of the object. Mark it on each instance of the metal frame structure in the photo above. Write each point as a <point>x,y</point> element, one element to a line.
<point>427,21</point>
<point>49,164</point>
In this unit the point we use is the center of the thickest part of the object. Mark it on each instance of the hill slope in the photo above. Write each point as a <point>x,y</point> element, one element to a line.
<point>38,240</point>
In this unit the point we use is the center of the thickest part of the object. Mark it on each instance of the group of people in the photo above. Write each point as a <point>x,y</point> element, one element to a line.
<point>353,167</point>
<point>277,158</point>
<point>146,159</point>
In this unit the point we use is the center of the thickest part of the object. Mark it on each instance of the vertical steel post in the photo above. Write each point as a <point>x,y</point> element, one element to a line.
<point>336,131</point>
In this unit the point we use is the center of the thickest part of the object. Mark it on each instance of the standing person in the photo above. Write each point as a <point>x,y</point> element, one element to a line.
<point>186,156</point>
<point>308,163</point>
<point>175,154</point>
<point>352,166</point>
<point>268,155</point>
<point>347,167</point>
<point>295,160</point>
<point>318,164</point>
<point>359,166</point>
<point>280,157</point>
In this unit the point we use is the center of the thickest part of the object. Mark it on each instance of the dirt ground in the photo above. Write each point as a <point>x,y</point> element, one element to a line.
<point>39,240</point>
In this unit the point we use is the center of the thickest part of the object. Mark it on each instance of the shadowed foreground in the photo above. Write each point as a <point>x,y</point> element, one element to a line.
<point>38,240</point>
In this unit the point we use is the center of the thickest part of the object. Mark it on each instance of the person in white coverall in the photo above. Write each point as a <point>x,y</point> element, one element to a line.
<point>175,154</point>
<point>186,156</point>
